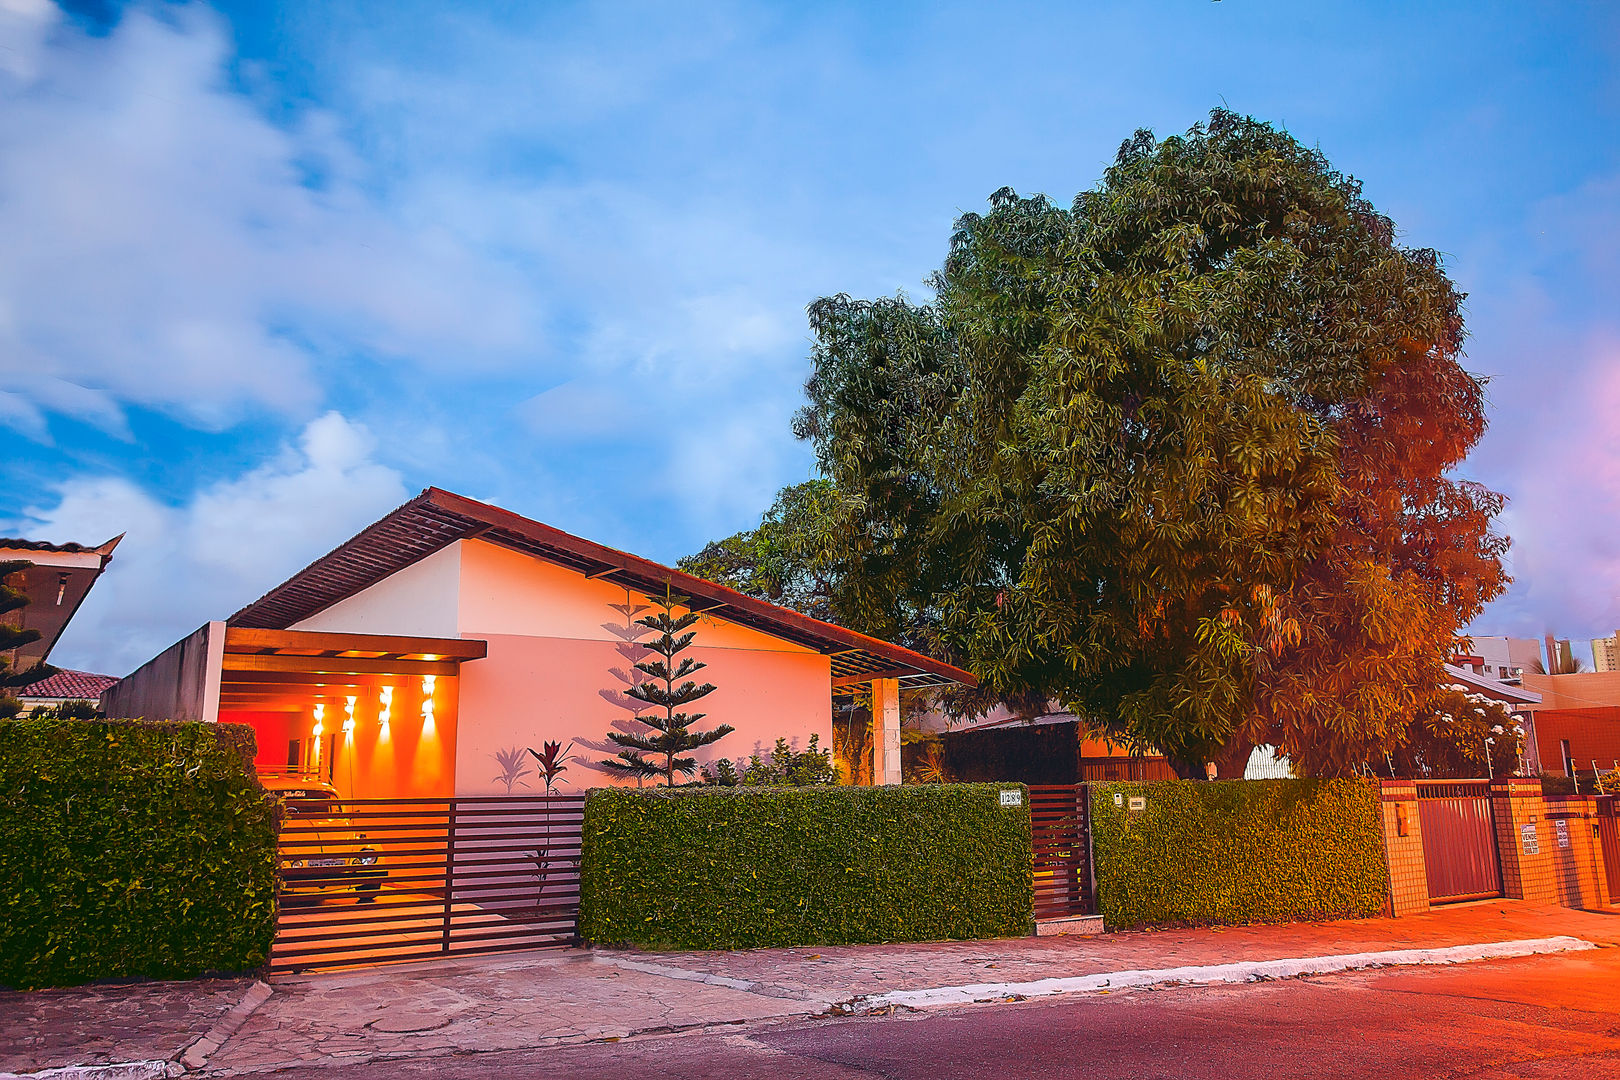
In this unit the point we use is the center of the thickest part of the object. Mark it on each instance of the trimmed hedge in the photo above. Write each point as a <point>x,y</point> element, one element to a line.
<point>1238,851</point>
<point>130,848</point>
<point>734,868</point>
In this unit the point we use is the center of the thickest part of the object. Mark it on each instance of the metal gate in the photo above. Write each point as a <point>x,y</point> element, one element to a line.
<point>1459,840</point>
<point>1609,837</point>
<point>368,881</point>
<point>1060,820</point>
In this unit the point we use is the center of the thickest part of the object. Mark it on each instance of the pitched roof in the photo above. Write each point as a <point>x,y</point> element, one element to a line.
<point>69,686</point>
<point>437,518</point>
<point>1501,691</point>
<point>105,549</point>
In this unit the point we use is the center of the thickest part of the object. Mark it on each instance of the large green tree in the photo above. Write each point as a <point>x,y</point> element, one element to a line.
<point>1177,455</point>
<point>787,559</point>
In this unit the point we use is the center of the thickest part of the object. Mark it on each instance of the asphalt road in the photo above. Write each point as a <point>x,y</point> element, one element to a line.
<point>1543,1017</point>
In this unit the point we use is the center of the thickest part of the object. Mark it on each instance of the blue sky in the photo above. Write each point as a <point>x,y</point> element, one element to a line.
<point>271,268</point>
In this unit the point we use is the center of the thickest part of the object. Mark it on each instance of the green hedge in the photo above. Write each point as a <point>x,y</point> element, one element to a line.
<point>130,848</point>
<point>1238,851</point>
<point>753,867</point>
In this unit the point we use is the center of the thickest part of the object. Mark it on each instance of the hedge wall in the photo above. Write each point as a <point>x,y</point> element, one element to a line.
<point>130,848</point>
<point>1238,851</point>
<point>751,867</point>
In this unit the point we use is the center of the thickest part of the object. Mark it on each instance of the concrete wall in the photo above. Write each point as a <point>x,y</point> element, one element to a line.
<point>180,683</point>
<point>561,655</point>
<point>561,650</point>
<point>1549,849</point>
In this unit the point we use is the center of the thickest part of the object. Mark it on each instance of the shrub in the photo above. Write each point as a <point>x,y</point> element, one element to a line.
<point>725,868</point>
<point>1238,851</point>
<point>130,848</point>
<point>785,766</point>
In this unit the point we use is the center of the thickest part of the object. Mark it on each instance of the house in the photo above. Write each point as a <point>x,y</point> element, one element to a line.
<point>1504,659</point>
<point>64,688</point>
<point>1055,748</point>
<point>1575,721</point>
<point>405,662</point>
<point>56,581</point>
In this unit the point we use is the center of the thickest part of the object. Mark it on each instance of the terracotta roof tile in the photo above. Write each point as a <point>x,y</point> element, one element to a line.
<point>69,686</point>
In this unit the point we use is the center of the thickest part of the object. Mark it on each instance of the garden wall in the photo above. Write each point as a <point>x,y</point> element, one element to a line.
<point>130,848</point>
<point>751,867</point>
<point>1234,852</point>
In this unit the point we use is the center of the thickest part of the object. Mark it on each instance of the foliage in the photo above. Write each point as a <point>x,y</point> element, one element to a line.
<point>785,767</point>
<point>1176,456</point>
<point>513,767</point>
<point>785,558</point>
<point>66,710</point>
<point>723,868</point>
<point>1557,784</point>
<point>1562,662</point>
<point>131,849</point>
<point>1449,738</point>
<point>673,735</point>
<point>551,761</point>
<point>1238,851</point>
<point>13,637</point>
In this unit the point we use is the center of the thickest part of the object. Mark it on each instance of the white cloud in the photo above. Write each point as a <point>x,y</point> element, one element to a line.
<point>166,245</point>
<point>180,566</point>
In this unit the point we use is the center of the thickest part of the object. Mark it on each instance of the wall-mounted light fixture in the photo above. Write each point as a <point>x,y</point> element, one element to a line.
<point>348,717</point>
<point>315,741</point>
<point>427,704</point>
<point>385,706</point>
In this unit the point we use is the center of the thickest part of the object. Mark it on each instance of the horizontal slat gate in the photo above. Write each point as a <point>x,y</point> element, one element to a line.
<point>452,877</point>
<point>1060,820</point>
<point>1459,840</point>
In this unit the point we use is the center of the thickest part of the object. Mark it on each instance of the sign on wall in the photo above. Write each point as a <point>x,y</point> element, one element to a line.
<point>1527,836</point>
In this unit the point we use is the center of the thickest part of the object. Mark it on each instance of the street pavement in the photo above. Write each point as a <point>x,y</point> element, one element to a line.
<point>1530,1019</point>
<point>788,1009</point>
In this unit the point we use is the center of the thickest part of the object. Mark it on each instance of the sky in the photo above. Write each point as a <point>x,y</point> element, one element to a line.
<point>269,269</point>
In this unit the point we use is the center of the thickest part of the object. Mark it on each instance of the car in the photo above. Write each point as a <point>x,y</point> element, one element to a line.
<point>327,855</point>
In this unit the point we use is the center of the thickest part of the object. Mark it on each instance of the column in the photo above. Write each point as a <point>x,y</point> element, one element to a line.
<point>1524,839</point>
<point>885,731</point>
<point>1403,848</point>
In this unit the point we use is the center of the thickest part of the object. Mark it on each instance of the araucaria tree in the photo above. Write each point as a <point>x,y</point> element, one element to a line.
<point>658,751</point>
<point>12,636</point>
<point>1178,456</point>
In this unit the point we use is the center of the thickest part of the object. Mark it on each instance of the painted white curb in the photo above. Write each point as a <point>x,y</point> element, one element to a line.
<point>124,1070</point>
<point>1249,971</point>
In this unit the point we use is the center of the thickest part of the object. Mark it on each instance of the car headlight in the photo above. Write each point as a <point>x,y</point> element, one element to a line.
<point>368,857</point>
<point>295,863</point>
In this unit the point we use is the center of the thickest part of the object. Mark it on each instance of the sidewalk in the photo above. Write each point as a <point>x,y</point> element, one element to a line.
<point>525,1000</point>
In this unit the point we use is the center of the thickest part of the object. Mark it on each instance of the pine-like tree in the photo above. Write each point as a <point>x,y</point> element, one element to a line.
<point>671,734</point>
<point>14,637</point>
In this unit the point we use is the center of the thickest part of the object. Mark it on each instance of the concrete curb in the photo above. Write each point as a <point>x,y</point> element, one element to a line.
<point>123,1070</point>
<point>1249,971</point>
<point>197,1054</point>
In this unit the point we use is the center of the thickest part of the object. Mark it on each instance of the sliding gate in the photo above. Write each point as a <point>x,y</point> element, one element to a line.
<point>1459,840</point>
<point>367,881</point>
<point>1060,821</point>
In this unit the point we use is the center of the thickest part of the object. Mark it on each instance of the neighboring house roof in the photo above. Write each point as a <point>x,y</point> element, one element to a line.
<point>56,582</point>
<point>69,686</point>
<point>1501,691</point>
<point>436,519</point>
<point>65,549</point>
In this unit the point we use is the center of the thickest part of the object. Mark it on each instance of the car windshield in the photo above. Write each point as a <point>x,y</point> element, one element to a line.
<point>309,805</point>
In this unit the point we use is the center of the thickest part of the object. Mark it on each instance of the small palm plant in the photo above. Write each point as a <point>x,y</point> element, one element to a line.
<point>552,760</point>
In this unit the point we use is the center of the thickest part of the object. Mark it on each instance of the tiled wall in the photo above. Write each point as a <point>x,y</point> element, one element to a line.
<point>1549,848</point>
<point>1403,849</point>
